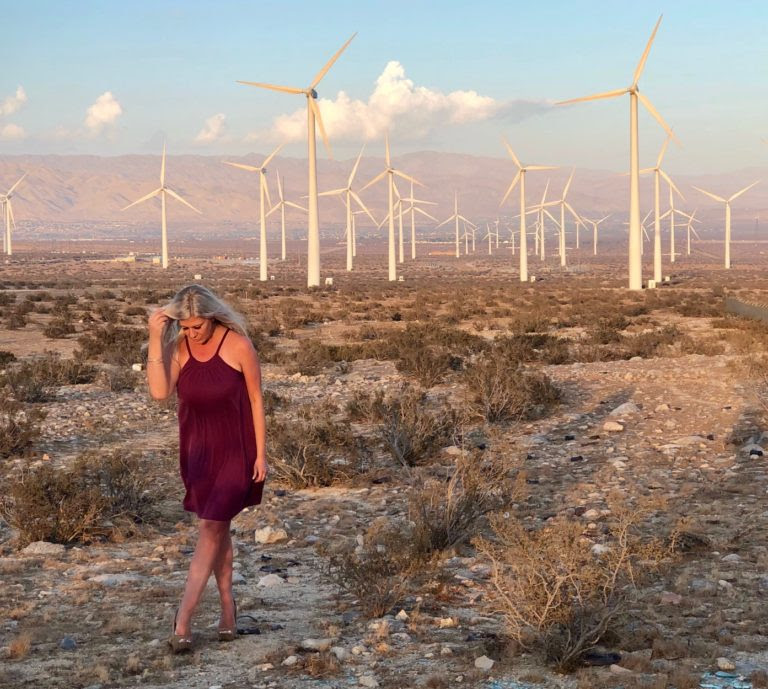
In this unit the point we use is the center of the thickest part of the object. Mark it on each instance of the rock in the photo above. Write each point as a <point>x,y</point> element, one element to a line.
<point>116,579</point>
<point>68,644</point>
<point>725,665</point>
<point>44,548</point>
<point>446,651</point>
<point>340,652</point>
<point>452,450</point>
<point>237,578</point>
<point>367,681</point>
<point>618,670</point>
<point>290,660</point>
<point>600,549</point>
<point>752,449</point>
<point>271,580</point>
<point>316,644</point>
<point>358,650</point>
<point>613,426</point>
<point>483,663</point>
<point>402,616</point>
<point>591,514</point>
<point>626,408</point>
<point>661,407</point>
<point>733,557</point>
<point>669,598</point>
<point>688,440</point>
<point>704,586</point>
<point>447,622</point>
<point>270,535</point>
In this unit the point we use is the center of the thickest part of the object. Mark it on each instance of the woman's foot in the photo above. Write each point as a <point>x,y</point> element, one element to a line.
<point>179,643</point>
<point>228,623</point>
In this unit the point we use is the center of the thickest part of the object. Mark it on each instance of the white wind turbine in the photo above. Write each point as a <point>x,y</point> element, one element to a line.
<point>413,210</point>
<point>563,203</point>
<point>313,114</point>
<point>635,236</point>
<point>263,200</point>
<point>281,205</point>
<point>390,173</point>
<point>10,221</point>
<point>520,177</point>
<point>727,203</point>
<point>690,228</point>
<point>455,217</point>
<point>595,224</point>
<point>349,194</point>
<point>658,173</point>
<point>161,191</point>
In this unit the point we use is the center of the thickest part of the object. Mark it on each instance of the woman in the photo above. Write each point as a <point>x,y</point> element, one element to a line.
<point>198,347</point>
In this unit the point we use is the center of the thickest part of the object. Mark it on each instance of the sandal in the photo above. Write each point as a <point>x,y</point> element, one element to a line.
<point>179,643</point>
<point>249,630</point>
<point>229,634</point>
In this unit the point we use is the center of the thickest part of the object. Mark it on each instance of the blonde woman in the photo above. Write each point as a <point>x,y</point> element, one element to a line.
<point>198,347</point>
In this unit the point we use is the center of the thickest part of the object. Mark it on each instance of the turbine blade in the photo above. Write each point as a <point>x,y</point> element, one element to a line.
<point>551,217</point>
<point>332,192</point>
<point>424,213</point>
<point>739,193</point>
<point>295,205</point>
<point>511,187</point>
<point>596,96</point>
<point>573,212</point>
<point>360,203</point>
<point>270,156</point>
<point>649,107</point>
<point>319,119</point>
<point>386,148</point>
<point>18,181</point>
<point>712,196</point>
<point>671,183</point>
<point>263,180</point>
<point>544,195</point>
<point>540,167</point>
<point>354,168</point>
<point>375,179</point>
<point>143,198</point>
<point>272,87</point>
<point>279,187</point>
<point>662,151</point>
<point>10,213</point>
<point>162,168</point>
<point>274,208</point>
<point>446,221</point>
<point>178,198</point>
<point>330,62</point>
<point>243,166</point>
<point>568,184</point>
<point>641,64</point>
<point>407,177</point>
<point>511,153</point>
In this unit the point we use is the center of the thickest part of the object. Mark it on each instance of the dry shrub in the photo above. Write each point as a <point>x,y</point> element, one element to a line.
<point>502,390</point>
<point>428,364</point>
<point>411,433</point>
<point>120,378</point>
<point>101,496</point>
<point>559,598</point>
<point>313,449</point>
<point>113,345</point>
<point>19,647</point>
<point>19,427</point>
<point>34,381</point>
<point>380,572</point>
<point>323,664</point>
<point>445,513</point>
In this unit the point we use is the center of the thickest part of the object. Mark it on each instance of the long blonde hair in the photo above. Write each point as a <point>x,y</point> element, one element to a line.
<point>196,301</point>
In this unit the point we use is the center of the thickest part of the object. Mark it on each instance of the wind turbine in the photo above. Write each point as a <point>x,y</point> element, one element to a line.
<point>635,237</point>
<point>161,191</point>
<point>520,177</point>
<point>658,173</point>
<point>5,199</point>
<point>594,224</point>
<point>390,173</point>
<point>413,210</point>
<point>727,203</point>
<point>456,217</point>
<point>690,228</point>
<point>263,196</point>
<point>349,194</point>
<point>313,113</point>
<point>563,203</point>
<point>280,205</point>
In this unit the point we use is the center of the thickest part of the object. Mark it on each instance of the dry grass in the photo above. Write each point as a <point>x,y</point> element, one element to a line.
<point>19,647</point>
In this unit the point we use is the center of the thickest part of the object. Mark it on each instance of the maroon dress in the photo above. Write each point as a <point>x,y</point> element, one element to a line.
<point>217,442</point>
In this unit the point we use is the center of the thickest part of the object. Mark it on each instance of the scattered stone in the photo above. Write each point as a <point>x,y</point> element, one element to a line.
<point>358,650</point>
<point>669,598</point>
<point>661,407</point>
<point>340,652</point>
<point>733,557</point>
<point>613,426</point>
<point>725,665</point>
<point>237,578</point>
<point>271,580</point>
<point>290,660</point>
<point>316,644</point>
<point>618,670</point>
<point>270,535</point>
<point>483,663</point>
<point>116,579</point>
<point>68,644</point>
<point>44,548</point>
<point>402,616</point>
<point>626,408</point>
<point>367,681</point>
<point>600,549</point>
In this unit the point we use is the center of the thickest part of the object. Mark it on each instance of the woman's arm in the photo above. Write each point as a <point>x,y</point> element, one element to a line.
<point>251,368</point>
<point>162,364</point>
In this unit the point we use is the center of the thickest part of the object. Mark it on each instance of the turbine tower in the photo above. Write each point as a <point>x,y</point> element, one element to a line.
<point>413,210</point>
<point>635,237</point>
<point>161,191</point>
<point>263,196</point>
<point>280,205</point>
<point>350,194</point>
<point>520,177</point>
<point>390,173</point>
<point>10,221</point>
<point>313,114</point>
<point>727,203</point>
<point>456,217</point>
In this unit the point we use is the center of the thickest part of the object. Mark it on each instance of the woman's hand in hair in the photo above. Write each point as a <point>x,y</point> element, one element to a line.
<point>158,319</point>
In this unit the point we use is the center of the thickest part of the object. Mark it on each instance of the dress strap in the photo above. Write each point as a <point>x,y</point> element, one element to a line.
<point>222,342</point>
<point>189,351</point>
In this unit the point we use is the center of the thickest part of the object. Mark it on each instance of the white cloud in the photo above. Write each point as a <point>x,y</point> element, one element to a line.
<point>103,112</point>
<point>398,105</point>
<point>12,103</point>
<point>214,129</point>
<point>12,132</point>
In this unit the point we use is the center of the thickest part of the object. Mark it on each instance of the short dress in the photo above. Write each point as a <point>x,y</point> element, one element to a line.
<point>217,442</point>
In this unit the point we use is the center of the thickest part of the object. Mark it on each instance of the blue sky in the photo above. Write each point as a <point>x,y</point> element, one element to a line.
<point>451,77</point>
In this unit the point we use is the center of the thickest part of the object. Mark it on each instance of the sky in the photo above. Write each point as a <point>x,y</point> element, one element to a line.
<point>113,78</point>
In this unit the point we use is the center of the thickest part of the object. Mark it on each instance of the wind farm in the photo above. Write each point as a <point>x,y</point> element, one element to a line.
<point>509,349</point>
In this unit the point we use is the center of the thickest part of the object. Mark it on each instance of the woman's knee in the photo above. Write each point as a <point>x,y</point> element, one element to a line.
<point>213,529</point>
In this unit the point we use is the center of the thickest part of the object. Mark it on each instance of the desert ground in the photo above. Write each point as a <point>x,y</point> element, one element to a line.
<point>473,482</point>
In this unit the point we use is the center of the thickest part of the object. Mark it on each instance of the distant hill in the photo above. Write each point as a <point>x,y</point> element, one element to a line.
<point>91,190</point>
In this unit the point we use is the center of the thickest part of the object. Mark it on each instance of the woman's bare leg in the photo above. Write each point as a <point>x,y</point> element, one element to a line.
<point>222,570</point>
<point>209,545</point>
